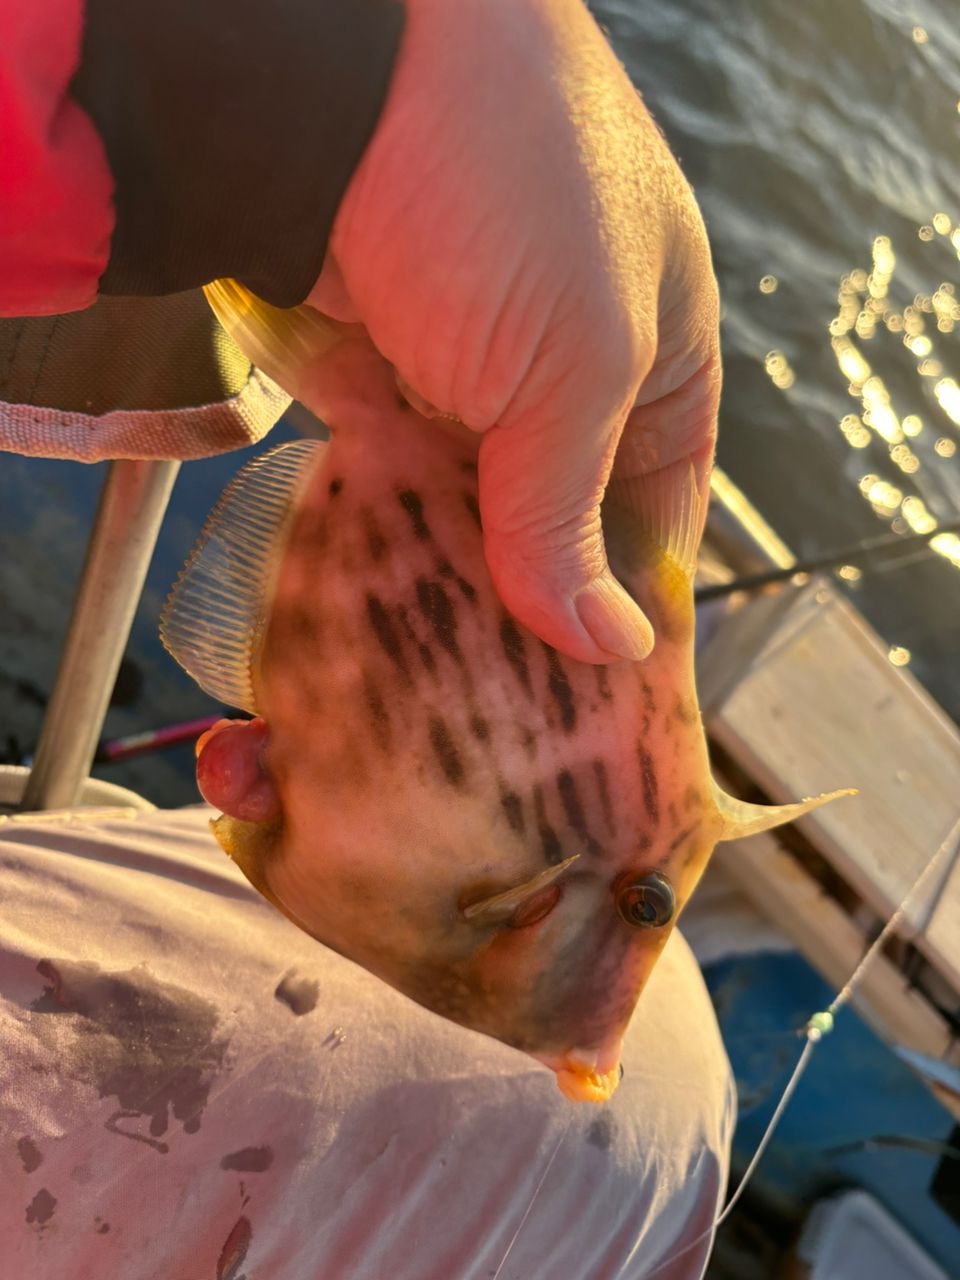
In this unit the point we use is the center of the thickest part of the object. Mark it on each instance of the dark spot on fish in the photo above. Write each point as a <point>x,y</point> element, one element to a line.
<point>479,728</point>
<point>378,712</point>
<point>528,740</point>
<point>560,690</point>
<point>515,653</point>
<point>600,775</point>
<point>512,807</point>
<point>31,1157</point>
<point>413,506</point>
<point>386,635</point>
<point>41,1207</point>
<point>335,487</point>
<point>473,508</point>
<point>466,589</point>
<point>445,751</point>
<point>298,994</point>
<point>549,840</point>
<point>573,809</point>
<point>677,841</point>
<point>376,542</point>
<point>685,712</point>
<point>436,607</point>
<point>644,844</point>
<point>602,676</point>
<point>149,1044</point>
<point>601,1132</point>
<point>248,1160</point>
<point>648,778</point>
<point>234,1250</point>
<point>101,1227</point>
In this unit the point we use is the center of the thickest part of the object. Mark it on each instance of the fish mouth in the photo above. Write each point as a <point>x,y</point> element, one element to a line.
<point>587,1075</point>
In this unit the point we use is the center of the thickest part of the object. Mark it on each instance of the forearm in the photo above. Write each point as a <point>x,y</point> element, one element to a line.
<point>205,140</point>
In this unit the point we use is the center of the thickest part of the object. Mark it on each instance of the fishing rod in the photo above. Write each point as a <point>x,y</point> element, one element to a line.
<point>862,552</point>
<point>137,744</point>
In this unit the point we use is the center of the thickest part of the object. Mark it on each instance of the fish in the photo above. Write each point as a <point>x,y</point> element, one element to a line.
<point>505,835</point>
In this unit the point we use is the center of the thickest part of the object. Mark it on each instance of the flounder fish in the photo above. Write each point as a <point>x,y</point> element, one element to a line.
<point>505,835</point>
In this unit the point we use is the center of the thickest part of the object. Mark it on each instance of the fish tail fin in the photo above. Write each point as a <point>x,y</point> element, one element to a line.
<point>281,342</point>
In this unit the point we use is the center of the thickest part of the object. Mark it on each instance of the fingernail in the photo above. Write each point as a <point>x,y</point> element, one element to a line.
<point>614,621</point>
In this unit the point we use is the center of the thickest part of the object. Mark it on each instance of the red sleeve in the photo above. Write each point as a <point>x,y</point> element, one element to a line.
<point>56,214</point>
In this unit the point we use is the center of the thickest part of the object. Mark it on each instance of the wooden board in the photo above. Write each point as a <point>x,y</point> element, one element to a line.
<point>800,692</point>
<point>833,945</point>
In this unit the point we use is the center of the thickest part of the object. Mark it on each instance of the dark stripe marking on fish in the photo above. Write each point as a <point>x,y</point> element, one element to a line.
<point>549,840</point>
<point>648,778</point>
<point>436,607</point>
<point>384,630</point>
<point>677,841</point>
<point>570,799</point>
<point>446,570</point>
<point>512,807</point>
<point>445,751</point>
<point>560,690</point>
<point>515,653</point>
<point>413,505</point>
<point>649,702</point>
<point>603,683</point>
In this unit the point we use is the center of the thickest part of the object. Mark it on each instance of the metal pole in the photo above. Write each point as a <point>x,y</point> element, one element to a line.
<point>131,508</point>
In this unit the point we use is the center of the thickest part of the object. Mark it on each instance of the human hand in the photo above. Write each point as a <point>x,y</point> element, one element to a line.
<point>523,248</point>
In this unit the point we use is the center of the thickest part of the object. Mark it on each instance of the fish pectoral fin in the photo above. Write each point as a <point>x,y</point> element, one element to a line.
<point>502,905</point>
<point>669,505</point>
<point>740,818</point>
<point>280,342</point>
<point>213,618</point>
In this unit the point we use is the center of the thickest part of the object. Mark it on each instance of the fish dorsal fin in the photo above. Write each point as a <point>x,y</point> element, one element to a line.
<point>281,342</point>
<point>669,506</point>
<point>213,620</point>
<point>740,818</point>
<point>501,905</point>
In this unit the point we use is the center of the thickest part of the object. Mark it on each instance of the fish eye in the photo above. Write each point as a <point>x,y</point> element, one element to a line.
<point>647,902</point>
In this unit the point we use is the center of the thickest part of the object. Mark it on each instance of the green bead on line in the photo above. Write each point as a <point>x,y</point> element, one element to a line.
<point>820,1025</point>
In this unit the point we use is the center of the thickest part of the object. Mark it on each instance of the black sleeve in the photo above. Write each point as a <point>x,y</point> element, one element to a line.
<point>232,128</point>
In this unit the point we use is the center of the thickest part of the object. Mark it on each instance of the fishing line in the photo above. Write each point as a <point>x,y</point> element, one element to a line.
<point>536,1192</point>
<point>818,1025</point>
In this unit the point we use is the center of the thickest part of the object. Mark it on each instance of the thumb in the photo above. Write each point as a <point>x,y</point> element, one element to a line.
<point>542,479</point>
